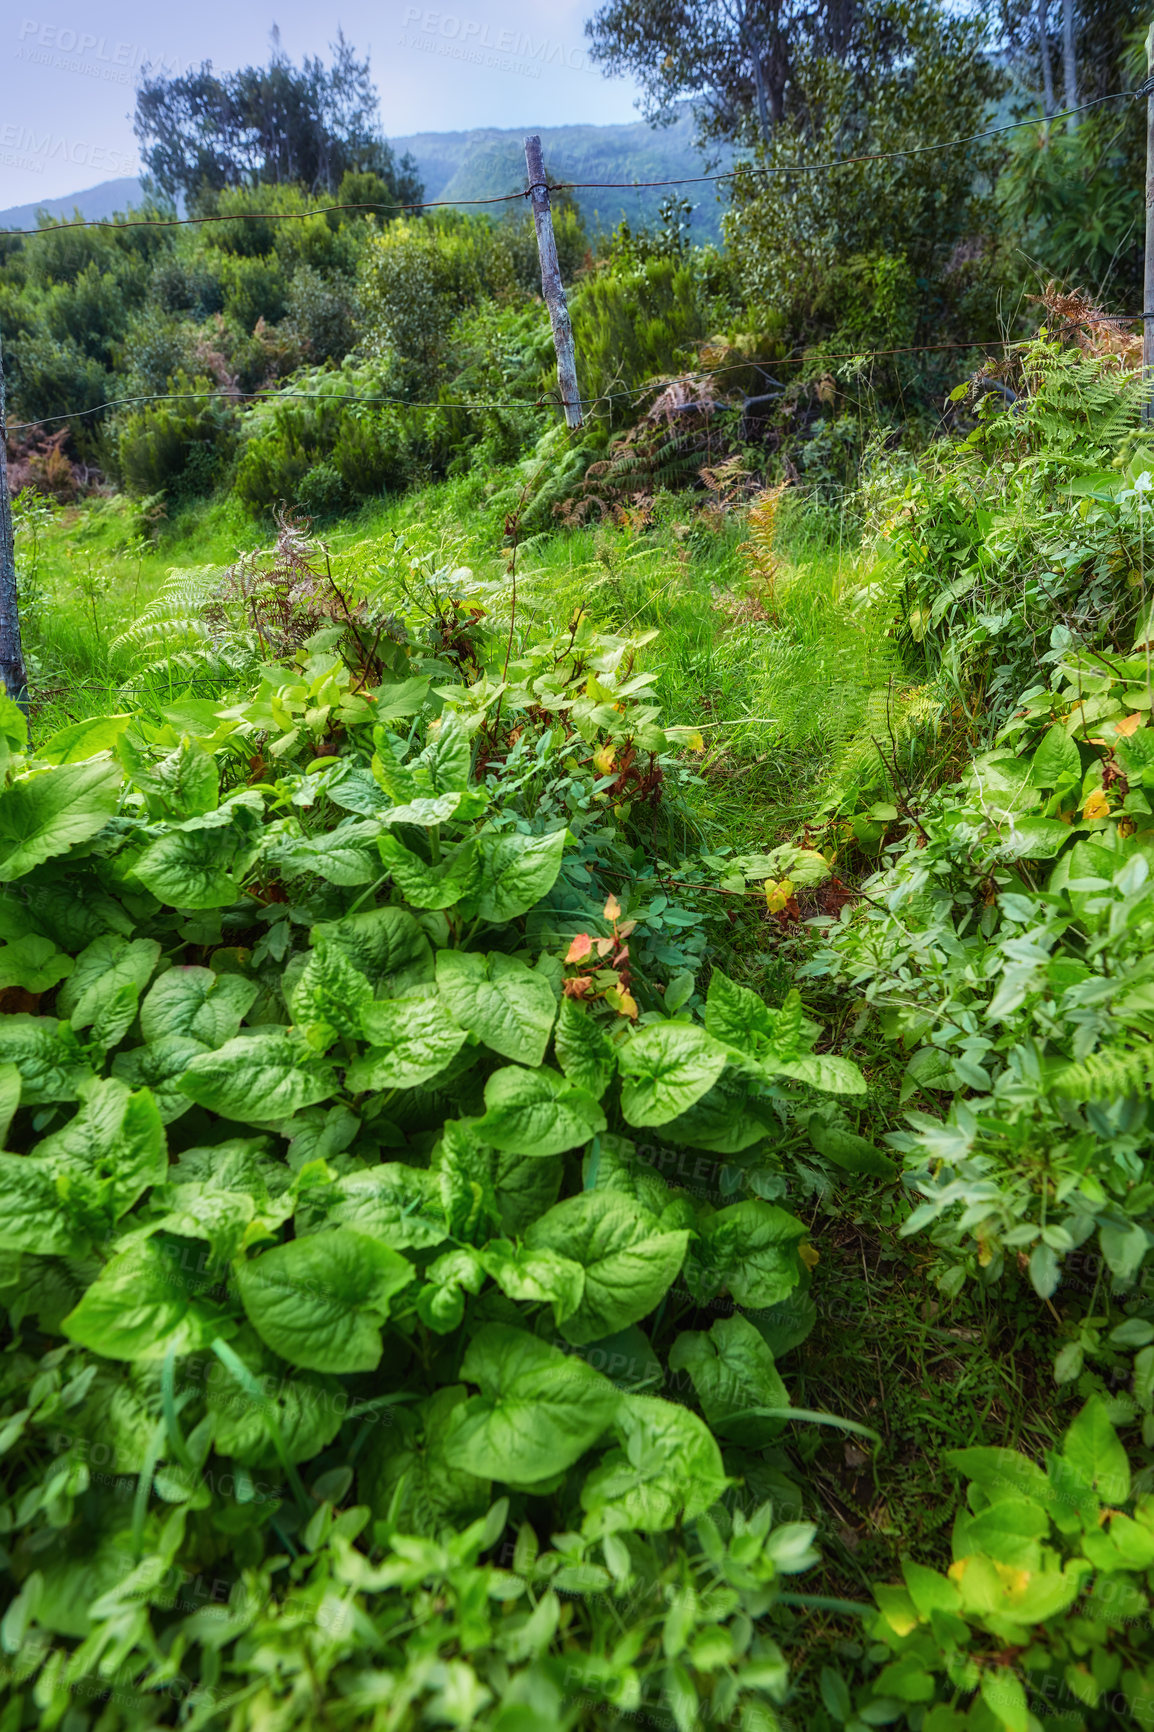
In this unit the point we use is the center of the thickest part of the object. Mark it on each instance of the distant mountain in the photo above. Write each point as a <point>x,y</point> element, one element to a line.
<point>491,160</point>
<point>94,204</point>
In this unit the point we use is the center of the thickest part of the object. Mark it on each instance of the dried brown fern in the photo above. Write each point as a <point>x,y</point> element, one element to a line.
<point>1073,317</point>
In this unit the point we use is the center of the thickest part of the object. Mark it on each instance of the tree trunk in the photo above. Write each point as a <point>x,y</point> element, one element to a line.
<point>1069,63</point>
<point>1044,50</point>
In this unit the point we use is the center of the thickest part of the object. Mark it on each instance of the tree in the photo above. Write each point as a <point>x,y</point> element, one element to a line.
<point>738,60</point>
<point>310,125</point>
<point>883,251</point>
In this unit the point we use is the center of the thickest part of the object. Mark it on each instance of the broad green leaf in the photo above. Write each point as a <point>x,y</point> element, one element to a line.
<point>191,869</point>
<point>344,856</point>
<point>1124,1245</point>
<point>667,1469</point>
<point>386,945</point>
<point>259,1077</point>
<point>34,1214</point>
<point>1003,1694</point>
<point>516,871</point>
<point>320,1301</point>
<point>399,698</point>
<point>399,1205</point>
<point>47,1055</point>
<point>198,1004</point>
<point>538,1409</point>
<point>50,811</point>
<point>666,1068</point>
<point>1056,760</point>
<point>536,1112</point>
<point>308,1408</point>
<point>524,1186</point>
<point>1008,1531</point>
<point>33,963</point>
<point>116,1135</point>
<point>102,969</point>
<point>726,1120</point>
<point>328,996</point>
<point>426,811</point>
<point>146,1302</point>
<point>584,1050</point>
<point>158,1067</point>
<point>750,1248</point>
<point>616,1166</point>
<point>736,1015</point>
<point>1001,1472</point>
<point>1033,839</point>
<point>732,1371</point>
<point>9,1098</point>
<point>81,740</point>
<point>182,783</point>
<point>629,1263</point>
<point>535,1277</point>
<point>1093,1450</point>
<point>410,1041</point>
<point>429,886</point>
<point>406,1474</point>
<point>509,1007</point>
<point>448,753</point>
<point>826,1071</point>
<point>848,1151</point>
<point>465,1177</point>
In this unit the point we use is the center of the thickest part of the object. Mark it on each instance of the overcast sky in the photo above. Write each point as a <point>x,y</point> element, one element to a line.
<point>68,71</point>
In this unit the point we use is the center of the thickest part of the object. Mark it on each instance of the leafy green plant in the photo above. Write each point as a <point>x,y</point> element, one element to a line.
<point>1041,1617</point>
<point>324,1184</point>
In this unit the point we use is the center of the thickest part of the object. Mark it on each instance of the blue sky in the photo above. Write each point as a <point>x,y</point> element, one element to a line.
<point>68,71</point>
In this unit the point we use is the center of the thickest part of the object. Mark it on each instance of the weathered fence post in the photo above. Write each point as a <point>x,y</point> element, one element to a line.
<point>551,285</point>
<point>1148,282</point>
<point>11,650</point>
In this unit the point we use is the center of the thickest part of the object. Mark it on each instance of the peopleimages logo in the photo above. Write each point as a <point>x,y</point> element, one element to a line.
<point>88,55</point>
<point>481,44</point>
<point>25,147</point>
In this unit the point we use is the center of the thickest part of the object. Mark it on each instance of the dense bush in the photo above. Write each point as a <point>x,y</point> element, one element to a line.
<point>178,447</point>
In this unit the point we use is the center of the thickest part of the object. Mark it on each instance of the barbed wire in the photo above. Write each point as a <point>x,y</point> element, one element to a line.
<point>743,168</point>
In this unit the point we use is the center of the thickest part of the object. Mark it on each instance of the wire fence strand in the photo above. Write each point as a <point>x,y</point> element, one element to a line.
<point>547,400</point>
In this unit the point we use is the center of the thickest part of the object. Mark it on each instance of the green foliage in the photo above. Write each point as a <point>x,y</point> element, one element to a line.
<point>1052,1563</point>
<point>323,1186</point>
<point>633,323</point>
<point>177,447</point>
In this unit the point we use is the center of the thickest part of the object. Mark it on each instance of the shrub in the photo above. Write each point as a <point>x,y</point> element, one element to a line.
<point>178,448</point>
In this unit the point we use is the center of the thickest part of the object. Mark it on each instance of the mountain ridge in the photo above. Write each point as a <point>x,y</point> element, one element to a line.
<point>488,161</point>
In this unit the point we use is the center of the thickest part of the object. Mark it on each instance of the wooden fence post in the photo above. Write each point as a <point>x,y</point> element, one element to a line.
<point>11,649</point>
<point>552,287</point>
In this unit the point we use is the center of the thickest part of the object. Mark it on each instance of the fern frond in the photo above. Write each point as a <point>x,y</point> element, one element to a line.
<point>176,614</point>
<point>1111,1075</point>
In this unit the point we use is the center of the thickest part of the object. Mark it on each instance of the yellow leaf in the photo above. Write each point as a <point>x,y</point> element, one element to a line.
<point>777,894</point>
<point>612,909</point>
<point>1128,725</point>
<point>809,1254</point>
<point>580,948</point>
<point>603,758</point>
<point>621,1001</point>
<point>1097,806</point>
